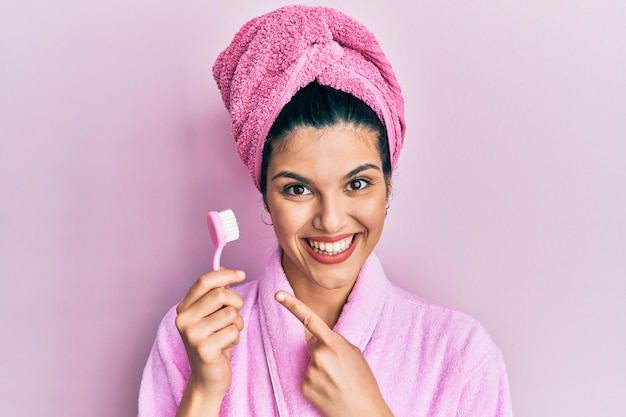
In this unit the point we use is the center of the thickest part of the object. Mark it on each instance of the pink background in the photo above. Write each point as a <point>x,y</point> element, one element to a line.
<point>509,203</point>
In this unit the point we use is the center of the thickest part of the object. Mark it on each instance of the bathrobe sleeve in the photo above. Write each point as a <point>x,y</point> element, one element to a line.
<point>486,391</point>
<point>166,372</point>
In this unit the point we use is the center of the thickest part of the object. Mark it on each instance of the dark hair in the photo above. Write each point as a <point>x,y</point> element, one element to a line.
<point>320,106</point>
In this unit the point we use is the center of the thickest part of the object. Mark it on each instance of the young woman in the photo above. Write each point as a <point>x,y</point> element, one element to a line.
<point>317,115</point>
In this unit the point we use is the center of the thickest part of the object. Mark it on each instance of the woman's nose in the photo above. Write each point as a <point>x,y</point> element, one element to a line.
<point>330,215</point>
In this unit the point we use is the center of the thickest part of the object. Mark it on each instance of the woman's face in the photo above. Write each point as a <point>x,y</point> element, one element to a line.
<point>327,196</point>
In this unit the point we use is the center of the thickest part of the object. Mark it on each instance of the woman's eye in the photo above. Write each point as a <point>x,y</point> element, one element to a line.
<point>297,190</point>
<point>358,184</point>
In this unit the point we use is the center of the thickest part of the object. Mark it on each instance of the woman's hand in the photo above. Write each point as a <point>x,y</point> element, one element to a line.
<point>338,380</point>
<point>209,323</point>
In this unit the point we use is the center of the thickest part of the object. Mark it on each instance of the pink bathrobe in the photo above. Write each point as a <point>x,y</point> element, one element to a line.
<point>429,361</point>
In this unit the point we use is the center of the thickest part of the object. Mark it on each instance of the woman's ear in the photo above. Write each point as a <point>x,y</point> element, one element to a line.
<point>265,204</point>
<point>389,186</point>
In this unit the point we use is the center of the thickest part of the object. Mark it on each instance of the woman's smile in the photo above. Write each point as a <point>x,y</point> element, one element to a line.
<point>330,250</point>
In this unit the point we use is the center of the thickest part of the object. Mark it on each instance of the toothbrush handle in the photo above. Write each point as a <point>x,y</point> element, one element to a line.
<point>216,257</point>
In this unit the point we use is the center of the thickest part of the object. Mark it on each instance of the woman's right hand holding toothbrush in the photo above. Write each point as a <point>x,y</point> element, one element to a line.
<point>209,323</point>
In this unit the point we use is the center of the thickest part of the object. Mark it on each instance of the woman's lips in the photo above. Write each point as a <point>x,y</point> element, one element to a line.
<point>331,250</point>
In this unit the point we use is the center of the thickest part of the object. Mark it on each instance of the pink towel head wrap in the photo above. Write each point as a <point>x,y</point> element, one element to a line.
<point>274,55</point>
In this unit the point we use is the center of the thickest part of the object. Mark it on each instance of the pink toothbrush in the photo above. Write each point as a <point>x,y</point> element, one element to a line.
<point>223,229</point>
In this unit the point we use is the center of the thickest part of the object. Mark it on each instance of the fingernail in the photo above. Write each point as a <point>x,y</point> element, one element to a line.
<point>240,274</point>
<point>280,297</point>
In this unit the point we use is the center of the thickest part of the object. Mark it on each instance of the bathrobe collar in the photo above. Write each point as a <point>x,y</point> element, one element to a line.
<point>283,334</point>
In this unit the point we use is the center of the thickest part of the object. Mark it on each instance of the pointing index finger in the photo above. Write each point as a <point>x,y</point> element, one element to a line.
<point>309,319</point>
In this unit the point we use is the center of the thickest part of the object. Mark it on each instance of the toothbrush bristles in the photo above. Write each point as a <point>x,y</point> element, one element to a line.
<point>231,228</point>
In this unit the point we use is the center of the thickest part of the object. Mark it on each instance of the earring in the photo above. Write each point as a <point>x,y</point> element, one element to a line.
<point>263,219</point>
<point>386,210</point>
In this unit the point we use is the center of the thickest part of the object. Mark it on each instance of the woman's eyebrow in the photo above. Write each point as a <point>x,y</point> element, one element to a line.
<point>360,168</point>
<point>304,180</point>
<point>292,175</point>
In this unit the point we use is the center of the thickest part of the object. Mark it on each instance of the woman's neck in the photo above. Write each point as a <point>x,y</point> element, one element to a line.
<point>325,298</point>
<point>327,303</point>
<point>324,302</point>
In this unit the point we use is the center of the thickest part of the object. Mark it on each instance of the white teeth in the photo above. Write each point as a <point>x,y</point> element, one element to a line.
<point>331,248</point>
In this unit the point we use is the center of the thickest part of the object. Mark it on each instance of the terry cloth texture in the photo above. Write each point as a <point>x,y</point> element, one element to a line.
<point>274,55</point>
<point>428,360</point>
